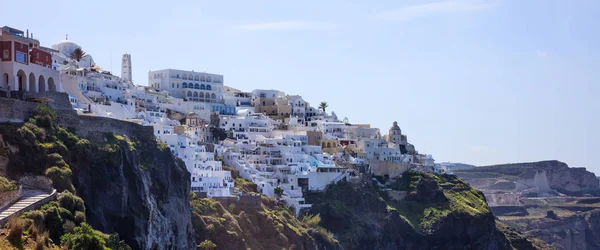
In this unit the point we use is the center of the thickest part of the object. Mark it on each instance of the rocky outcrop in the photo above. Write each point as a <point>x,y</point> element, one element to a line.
<point>142,194</point>
<point>131,186</point>
<point>581,231</point>
<point>543,177</point>
<point>268,226</point>
<point>452,216</point>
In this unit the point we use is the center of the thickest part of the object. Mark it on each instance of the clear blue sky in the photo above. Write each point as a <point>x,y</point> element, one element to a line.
<point>480,82</point>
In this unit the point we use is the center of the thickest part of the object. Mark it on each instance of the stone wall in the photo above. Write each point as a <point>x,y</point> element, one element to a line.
<point>246,201</point>
<point>392,169</point>
<point>14,110</point>
<point>7,198</point>
<point>89,127</point>
<point>38,182</point>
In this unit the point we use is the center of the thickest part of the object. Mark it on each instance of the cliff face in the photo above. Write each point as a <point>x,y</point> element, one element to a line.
<point>141,192</point>
<point>544,176</point>
<point>580,231</point>
<point>133,187</point>
<point>437,213</point>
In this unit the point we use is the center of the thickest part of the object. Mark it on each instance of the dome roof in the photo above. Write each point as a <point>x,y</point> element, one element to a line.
<point>65,47</point>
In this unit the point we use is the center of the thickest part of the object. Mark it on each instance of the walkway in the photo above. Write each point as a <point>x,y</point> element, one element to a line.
<point>29,196</point>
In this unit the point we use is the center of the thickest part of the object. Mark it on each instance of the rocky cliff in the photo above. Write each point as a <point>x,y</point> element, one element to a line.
<point>137,190</point>
<point>132,186</point>
<point>541,177</point>
<point>265,225</point>
<point>439,212</point>
<point>565,223</point>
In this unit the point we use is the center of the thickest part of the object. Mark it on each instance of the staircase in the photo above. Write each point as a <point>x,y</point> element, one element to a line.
<point>30,199</point>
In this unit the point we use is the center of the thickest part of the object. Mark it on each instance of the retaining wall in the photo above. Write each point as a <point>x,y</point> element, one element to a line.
<point>89,127</point>
<point>7,198</point>
<point>39,182</point>
<point>246,201</point>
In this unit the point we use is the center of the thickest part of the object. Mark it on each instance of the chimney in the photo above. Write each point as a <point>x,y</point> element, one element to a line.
<point>27,33</point>
<point>31,35</point>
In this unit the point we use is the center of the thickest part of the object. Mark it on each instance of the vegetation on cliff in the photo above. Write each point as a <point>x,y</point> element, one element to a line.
<point>6,185</point>
<point>265,225</point>
<point>437,212</point>
<point>46,149</point>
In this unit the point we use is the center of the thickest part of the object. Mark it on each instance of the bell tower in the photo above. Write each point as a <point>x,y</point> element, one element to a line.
<point>126,68</point>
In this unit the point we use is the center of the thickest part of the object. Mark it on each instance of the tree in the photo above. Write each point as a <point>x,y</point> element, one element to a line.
<point>323,106</point>
<point>77,54</point>
<point>207,245</point>
<point>114,243</point>
<point>278,191</point>
<point>84,237</point>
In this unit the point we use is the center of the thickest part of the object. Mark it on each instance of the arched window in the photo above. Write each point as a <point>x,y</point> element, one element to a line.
<point>208,87</point>
<point>195,78</point>
<point>195,94</point>
<point>207,95</point>
<point>189,93</point>
<point>201,95</point>
<point>184,85</point>
<point>196,86</point>
<point>213,96</point>
<point>202,79</point>
<point>202,86</point>
<point>184,77</point>
<point>208,78</point>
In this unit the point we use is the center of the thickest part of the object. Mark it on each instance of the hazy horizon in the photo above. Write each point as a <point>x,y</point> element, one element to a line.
<point>476,82</point>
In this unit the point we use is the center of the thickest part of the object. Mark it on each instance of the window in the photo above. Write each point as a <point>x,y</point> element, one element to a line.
<point>21,57</point>
<point>5,54</point>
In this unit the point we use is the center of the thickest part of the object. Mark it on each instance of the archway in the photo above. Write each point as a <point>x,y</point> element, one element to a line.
<point>51,85</point>
<point>4,84</point>
<point>42,84</point>
<point>21,81</point>
<point>32,84</point>
<point>213,96</point>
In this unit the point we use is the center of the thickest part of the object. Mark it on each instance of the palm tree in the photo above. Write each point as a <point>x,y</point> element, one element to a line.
<point>207,245</point>
<point>323,106</point>
<point>77,54</point>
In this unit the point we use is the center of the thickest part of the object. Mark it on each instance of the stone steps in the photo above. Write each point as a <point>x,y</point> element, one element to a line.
<point>29,196</point>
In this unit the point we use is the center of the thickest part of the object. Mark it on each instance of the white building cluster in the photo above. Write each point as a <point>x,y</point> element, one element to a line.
<point>278,141</point>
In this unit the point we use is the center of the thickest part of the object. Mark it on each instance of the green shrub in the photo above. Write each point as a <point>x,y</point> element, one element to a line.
<point>114,243</point>
<point>71,202</point>
<point>84,237</point>
<point>65,214</point>
<point>45,115</point>
<point>79,217</point>
<point>61,178</point>
<point>36,216</point>
<point>69,226</point>
<point>53,222</point>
